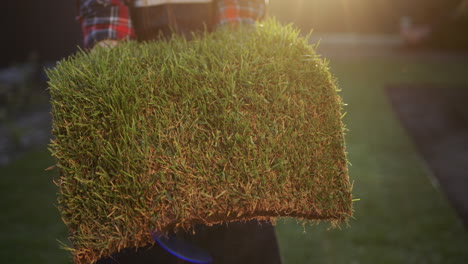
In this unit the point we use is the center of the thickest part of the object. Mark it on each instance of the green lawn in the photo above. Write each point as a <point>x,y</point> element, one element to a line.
<point>30,222</point>
<point>401,217</point>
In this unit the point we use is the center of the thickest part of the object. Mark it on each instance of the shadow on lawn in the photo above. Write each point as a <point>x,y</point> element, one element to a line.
<point>436,118</point>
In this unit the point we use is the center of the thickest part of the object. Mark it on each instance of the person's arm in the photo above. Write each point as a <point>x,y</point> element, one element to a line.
<point>235,12</point>
<point>104,22</point>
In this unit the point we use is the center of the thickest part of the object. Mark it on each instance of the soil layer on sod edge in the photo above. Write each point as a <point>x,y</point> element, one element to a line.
<point>436,118</point>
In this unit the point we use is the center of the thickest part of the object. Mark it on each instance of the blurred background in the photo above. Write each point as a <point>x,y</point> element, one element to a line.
<point>48,28</point>
<point>402,67</point>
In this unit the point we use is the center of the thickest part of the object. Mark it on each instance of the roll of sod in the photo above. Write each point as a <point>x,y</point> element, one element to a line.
<point>230,126</point>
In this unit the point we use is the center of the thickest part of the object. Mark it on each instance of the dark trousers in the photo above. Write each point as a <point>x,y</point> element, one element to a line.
<point>237,243</point>
<point>161,21</point>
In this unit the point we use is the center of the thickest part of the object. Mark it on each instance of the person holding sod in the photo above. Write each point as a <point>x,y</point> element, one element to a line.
<point>105,23</point>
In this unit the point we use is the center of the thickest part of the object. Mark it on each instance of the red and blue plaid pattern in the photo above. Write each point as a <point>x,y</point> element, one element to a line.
<point>235,12</point>
<point>110,19</point>
<point>104,19</point>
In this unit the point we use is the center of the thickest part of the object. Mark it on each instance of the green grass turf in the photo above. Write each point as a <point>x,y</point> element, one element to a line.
<point>401,218</point>
<point>230,126</point>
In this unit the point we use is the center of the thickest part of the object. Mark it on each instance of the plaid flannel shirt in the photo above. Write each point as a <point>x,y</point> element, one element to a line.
<point>110,19</point>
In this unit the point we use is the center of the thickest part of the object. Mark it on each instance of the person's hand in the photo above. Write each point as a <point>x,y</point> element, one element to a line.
<point>108,43</point>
